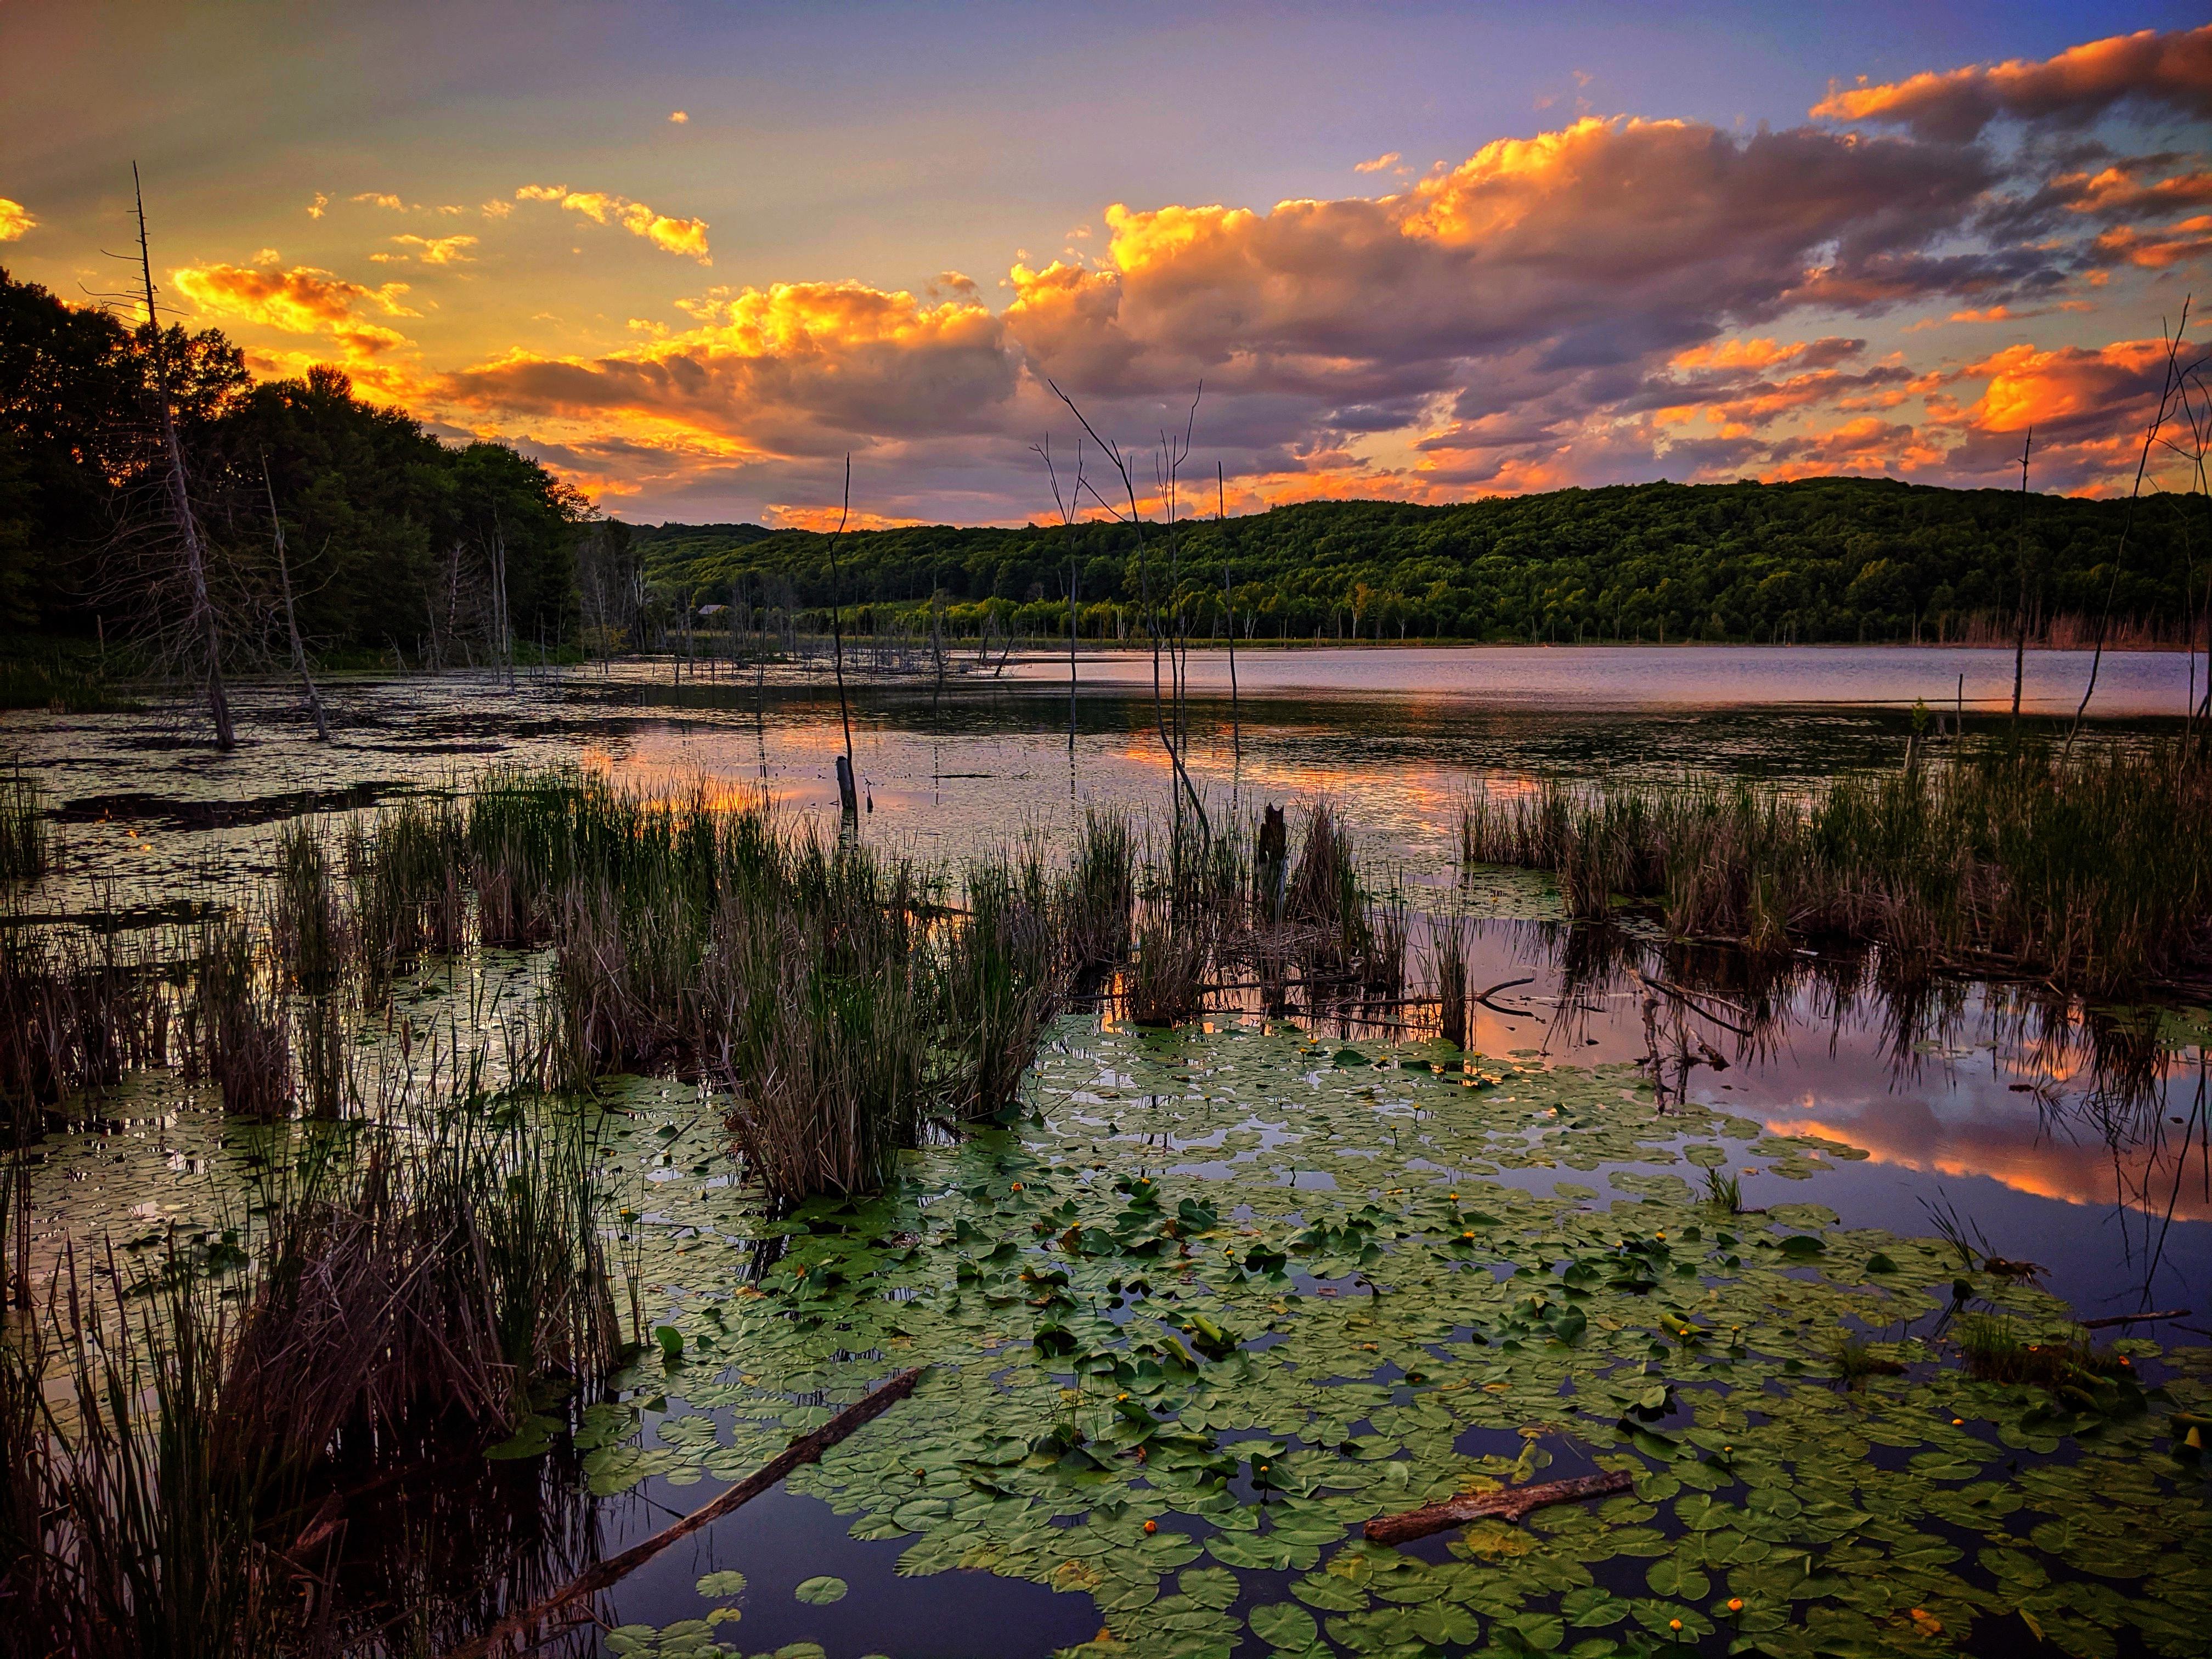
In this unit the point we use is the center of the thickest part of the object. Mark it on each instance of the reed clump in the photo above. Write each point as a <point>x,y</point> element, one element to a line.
<point>1000,982</point>
<point>1165,981</point>
<point>409,876</point>
<point>236,1027</point>
<point>1995,1350</point>
<point>184,1493</point>
<point>25,841</point>
<point>76,1012</point>
<point>1100,892</point>
<point>2092,870</point>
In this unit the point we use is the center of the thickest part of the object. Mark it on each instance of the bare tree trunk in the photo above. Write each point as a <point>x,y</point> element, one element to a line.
<point>291,618</point>
<point>1228,609</point>
<point>847,799</point>
<point>203,622</point>
<point>2173,374</point>
<point>1144,577</point>
<point>2020,637</point>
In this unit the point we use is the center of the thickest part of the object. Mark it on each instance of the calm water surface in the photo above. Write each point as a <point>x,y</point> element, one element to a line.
<point>2101,1180</point>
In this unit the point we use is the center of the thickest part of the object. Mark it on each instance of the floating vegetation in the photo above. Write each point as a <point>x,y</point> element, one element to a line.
<point>2092,868</point>
<point>1194,1307</point>
<point>1183,1396</point>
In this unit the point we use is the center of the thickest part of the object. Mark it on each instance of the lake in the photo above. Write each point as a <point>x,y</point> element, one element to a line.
<point>2029,1127</point>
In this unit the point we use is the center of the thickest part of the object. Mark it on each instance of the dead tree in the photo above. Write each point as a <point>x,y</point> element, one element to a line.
<point>847,792</point>
<point>291,617</point>
<point>203,628</point>
<point>2020,633</point>
<point>2176,377</point>
<point>1135,519</point>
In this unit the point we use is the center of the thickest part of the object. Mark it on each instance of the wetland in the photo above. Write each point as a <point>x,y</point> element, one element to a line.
<point>1239,1194</point>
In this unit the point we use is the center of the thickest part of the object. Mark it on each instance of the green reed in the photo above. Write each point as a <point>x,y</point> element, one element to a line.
<point>2094,870</point>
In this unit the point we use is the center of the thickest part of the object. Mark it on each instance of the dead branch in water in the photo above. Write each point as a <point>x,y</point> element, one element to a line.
<point>1513,1504</point>
<point>807,1448</point>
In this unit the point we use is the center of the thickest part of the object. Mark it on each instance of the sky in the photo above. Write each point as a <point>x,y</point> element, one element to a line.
<point>694,255</point>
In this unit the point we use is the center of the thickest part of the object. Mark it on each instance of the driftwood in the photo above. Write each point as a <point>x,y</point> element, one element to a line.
<point>2132,1319</point>
<point>807,1448</point>
<point>1512,1504</point>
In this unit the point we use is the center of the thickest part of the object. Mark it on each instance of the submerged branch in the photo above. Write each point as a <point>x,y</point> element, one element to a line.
<point>807,1448</point>
<point>1510,1505</point>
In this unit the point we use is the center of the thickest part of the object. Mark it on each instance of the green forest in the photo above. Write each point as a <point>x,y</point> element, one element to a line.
<point>399,547</point>
<point>1826,559</point>
<point>395,544</point>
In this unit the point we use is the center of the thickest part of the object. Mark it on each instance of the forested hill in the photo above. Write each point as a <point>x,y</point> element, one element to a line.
<point>1822,559</point>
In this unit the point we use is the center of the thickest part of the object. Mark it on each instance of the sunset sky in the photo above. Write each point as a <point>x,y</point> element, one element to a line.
<point>692,254</point>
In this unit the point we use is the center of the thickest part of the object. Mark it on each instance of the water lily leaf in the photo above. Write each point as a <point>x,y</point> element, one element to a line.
<point>1668,1576</point>
<point>728,1582</point>
<point>1284,1624</point>
<point>821,1591</point>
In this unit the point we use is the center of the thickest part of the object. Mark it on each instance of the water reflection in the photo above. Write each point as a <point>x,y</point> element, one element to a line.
<point>2076,1137</point>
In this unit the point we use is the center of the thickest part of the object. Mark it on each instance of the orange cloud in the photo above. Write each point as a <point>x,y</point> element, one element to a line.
<point>1387,159</point>
<point>798,368</point>
<point>434,251</point>
<point>685,236</point>
<point>2066,388</point>
<point>2155,250</point>
<point>677,117</point>
<point>301,300</point>
<point>383,199</point>
<point>2167,72</point>
<point>16,220</point>
<point>316,208</point>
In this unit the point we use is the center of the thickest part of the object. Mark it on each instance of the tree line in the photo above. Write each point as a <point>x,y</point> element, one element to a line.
<point>1816,560</point>
<point>397,546</point>
<point>393,544</point>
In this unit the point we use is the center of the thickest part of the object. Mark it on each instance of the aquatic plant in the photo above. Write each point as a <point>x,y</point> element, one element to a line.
<point>1994,1349</point>
<point>1095,902</point>
<point>1000,982</point>
<point>409,882</point>
<point>77,1011</point>
<point>1724,1191</point>
<point>236,1028</point>
<point>2094,870</point>
<point>1165,981</point>
<point>1451,936</point>
<point>24,838</point>
<point>1855,1359</point>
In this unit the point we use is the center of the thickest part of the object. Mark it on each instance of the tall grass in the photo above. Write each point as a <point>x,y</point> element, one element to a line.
<point>1000,982</point>
<point>1452,937</point>
<point>1100,891</point>
<point>170,1501</point>
<point>2094,872</point>
<point>24,841</point>
<point>237,1026</point>
<point>76,1012</point>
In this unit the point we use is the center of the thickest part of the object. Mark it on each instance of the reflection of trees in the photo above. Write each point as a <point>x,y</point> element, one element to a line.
<point>425,1564</point>
<point>2089,1071</point>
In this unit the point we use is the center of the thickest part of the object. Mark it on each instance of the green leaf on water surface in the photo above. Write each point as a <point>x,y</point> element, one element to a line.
<point>1350,1057</point>
<point>1210,1587</point>
<point>728,1582</point>
<point>821,1591</point>
<point>1802,1247</point>
<point>672,1343</point>
<point>1284,1624</point>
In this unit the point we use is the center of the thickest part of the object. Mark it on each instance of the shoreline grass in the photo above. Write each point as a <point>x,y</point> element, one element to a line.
<point>2093,870</point>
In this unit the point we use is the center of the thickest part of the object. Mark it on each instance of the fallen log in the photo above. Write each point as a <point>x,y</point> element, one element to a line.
<point>1514,1503</point>
<point>2132,1319</point>
<point>807,1448</point>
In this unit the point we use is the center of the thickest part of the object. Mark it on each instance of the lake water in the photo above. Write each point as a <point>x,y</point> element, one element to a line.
<point>2018,1120</point>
